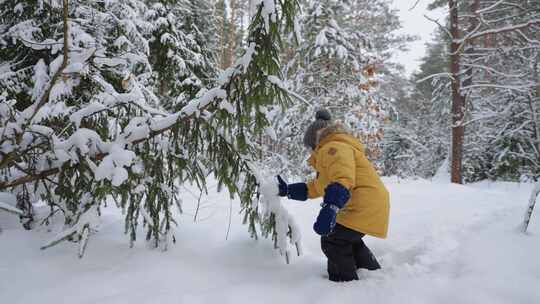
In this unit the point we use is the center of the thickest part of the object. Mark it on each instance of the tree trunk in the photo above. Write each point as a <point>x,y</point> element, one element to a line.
<point>223,37</point>
<point>470,46</point>
<point>534,111</point>
<point>528,213</point>
<point>457,99</point>
<point>232,34</point>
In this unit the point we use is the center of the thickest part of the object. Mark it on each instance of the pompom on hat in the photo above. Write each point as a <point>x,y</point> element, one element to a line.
<point>323,118</point>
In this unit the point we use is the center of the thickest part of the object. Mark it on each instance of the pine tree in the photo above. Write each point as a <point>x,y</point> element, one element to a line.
<point>496,79</point>
<point>502,88</point>
<point>494,75</point>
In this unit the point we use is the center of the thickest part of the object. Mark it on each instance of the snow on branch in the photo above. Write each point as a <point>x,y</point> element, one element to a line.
<point>449,75</point>
<point>8,208</point>
<point>286,226</point>
<point>90,144</point>
<point>280,84</point>
<point>519,88</point>
<point>268,10</point>
<point>489,8</point>
<point>87,221</point>
<point>499,30</point>
<point>45,97</point>
<point>135,132</point>
<point>492,70</point>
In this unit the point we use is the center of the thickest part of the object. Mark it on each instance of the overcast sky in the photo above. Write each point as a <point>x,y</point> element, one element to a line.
<point>415,23</point>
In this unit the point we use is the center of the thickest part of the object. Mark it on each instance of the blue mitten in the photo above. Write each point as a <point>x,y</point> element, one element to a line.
<point>326,220</point>
<point>335,197</point>
<point>336,194</point>
<point>297,191</point>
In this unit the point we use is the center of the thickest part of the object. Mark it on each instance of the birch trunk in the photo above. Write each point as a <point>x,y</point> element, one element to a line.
<point>532,202</point>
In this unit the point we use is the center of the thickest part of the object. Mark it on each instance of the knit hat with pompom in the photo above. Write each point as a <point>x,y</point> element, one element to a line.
<point>322,120</point>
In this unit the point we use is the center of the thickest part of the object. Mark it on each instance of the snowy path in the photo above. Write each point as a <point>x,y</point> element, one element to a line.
<point>447,244</point>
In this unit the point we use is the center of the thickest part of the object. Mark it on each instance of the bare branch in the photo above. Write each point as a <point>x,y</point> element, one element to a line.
<point>414,6</point>
<point>501,30</point>
<point>492,70</point>
<point>436,75</point>
<point>523,88</point>
<point>442,27</point>
<point>489,8</point>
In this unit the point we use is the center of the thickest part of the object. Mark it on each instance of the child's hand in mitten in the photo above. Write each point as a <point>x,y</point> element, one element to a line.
<point>326,220</point>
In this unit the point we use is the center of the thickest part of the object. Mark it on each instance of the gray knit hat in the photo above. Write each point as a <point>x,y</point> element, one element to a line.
<point>322,120</point>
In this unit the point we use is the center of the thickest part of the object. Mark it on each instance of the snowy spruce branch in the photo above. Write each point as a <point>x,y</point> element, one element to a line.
<point>93,126</point>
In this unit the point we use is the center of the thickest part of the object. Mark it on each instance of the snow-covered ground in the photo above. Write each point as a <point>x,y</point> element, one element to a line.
<point>447,244</point>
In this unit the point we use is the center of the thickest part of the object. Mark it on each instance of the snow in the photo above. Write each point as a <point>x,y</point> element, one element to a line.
<point>89,110</point>
<point>8,208</point>
<point>447,244</point>
<point>342,52</point>
<point>276,81</point>
<point>321,39</point>
<point>121,41</point>
<point>111,62</point>
<point>268,12</point>
<point>19,8</point>
<point>270,132</point>
<point>113,166</point>
<point>443,173</point>
<point>202,102</point>
<point>8,202</point>
<point>515,27</point>
<point>85,140</point>
<point>137,129</point>
<point>24,32</point>
<point>42,130</point>
<point>87,220</point>
<point>271,204</point>
<point>227,106</point>
<point>245,60</point>
<point>50,110</point>
<point>297,29</point>
<point>41,80</point>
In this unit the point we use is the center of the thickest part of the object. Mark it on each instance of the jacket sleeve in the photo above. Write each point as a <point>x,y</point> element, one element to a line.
<point>313,192</point>
<point>340,165</point>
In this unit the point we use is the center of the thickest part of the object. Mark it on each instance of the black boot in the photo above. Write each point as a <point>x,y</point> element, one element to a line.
<point>339,278</point>
<point>338,248</point>
<point>364,258</point>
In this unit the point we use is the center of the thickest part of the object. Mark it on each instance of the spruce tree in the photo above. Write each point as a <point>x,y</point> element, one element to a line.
<point>181,54</point>
<point>336,66</point>
<point>83,119</point>
<point>418,142</point>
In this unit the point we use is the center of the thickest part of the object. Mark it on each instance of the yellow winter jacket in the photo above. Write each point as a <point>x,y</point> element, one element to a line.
<point>339,157</point>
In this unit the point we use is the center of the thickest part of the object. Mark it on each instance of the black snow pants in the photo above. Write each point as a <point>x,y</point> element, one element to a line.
<point>346,252</point>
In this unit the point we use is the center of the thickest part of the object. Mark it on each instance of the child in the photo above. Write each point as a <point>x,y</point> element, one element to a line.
<point>355,201</point>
